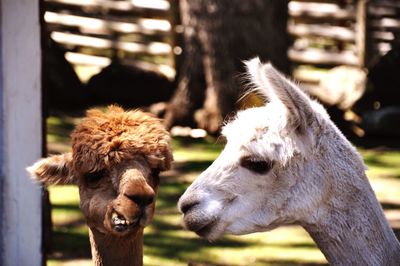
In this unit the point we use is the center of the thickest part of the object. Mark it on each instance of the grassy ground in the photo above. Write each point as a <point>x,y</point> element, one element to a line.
<point>166,243</point>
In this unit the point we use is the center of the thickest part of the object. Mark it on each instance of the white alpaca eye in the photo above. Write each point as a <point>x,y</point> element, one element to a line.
<point>256,165</point>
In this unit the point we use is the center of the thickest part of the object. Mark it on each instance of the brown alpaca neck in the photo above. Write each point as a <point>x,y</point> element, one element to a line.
<point>356,232</point>
<point>110,250</point>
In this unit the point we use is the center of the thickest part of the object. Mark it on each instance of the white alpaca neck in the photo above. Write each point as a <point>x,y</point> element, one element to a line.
<point>110,250</point>
<point>356,232</point>
<point>349,226</point>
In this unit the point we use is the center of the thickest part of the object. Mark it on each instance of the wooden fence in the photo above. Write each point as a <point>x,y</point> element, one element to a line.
<point>95,31</point>
<point>327,33</point>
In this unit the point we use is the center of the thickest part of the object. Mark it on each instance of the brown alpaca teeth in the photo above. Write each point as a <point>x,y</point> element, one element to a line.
<point>121,223</point>
<point>117,220</point>
<point>134,221</point>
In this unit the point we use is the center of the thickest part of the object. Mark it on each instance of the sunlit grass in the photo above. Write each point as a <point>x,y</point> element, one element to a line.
<point>64,195</point>
<point>186,149</point>
<point>382,164</point>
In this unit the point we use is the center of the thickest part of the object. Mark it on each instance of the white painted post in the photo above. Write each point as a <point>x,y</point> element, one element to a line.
<point>20,132</point>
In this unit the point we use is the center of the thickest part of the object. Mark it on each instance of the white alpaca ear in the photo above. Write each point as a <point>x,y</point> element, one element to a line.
<point>276,88</point>
<point>53,170</point>
<point>258,79</point>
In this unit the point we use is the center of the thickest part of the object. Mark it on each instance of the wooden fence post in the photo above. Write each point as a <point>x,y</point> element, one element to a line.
<point>363,40</point>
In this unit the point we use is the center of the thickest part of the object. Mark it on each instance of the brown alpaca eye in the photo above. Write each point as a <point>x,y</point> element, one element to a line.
<point>94,177</point>
<point>256,165</point>
<point>155,173</point>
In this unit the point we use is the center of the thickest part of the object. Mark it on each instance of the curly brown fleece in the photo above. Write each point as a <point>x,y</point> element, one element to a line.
<point>104,139</point>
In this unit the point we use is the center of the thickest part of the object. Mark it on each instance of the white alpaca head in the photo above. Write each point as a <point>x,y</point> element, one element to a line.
<point>263,178</point>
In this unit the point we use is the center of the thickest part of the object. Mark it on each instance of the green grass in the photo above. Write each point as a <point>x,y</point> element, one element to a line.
<point>384,173</point>
<point>167,243</point>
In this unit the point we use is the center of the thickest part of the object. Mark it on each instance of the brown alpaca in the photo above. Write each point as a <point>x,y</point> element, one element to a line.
<point>115,160</point>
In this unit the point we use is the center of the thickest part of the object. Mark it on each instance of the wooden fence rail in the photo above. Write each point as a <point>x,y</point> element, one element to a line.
<point>92,31</point>
<point>327,33</point>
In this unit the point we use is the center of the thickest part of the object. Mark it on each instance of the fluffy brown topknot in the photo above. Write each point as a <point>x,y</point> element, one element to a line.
<point>105,138</point>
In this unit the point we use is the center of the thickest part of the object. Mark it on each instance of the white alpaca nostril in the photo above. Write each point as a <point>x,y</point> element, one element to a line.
<point>187,205</point>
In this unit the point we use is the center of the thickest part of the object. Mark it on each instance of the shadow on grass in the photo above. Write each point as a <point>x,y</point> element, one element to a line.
<point>192,166</point>
<point>209,143</point>
<point>383,160</point>
<point>267,262</point>
<point>70,245</point>
<point>204,263</point>
<point>169,195</point>
<point>60,127</point>
<point>160,242</point>
<point>71,224</point>
<point>165,240</point>
<point>72,207</point>
<point>290,263</point>
<point>374,160</point>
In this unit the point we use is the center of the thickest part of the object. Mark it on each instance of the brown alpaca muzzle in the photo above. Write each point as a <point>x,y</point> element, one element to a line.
<point>123,220</point>
<point>132,209</point>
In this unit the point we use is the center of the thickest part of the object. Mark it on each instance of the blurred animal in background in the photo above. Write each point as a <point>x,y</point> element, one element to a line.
<point>380,105</point>
<point>118,83</point>
<point>342,86</point>
<point>62,88</point>
<point>287,163</point>
<point>129,86</point>
<point>115,161</point>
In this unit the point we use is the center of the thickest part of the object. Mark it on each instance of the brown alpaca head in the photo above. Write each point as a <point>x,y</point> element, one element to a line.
<point>115,160</point>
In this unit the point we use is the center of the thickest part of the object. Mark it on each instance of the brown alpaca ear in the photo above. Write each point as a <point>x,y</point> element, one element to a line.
<point>53,170</point>
<point>160,161</point>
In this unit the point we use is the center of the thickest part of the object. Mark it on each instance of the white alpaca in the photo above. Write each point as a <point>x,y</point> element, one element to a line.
<point>287,163</point>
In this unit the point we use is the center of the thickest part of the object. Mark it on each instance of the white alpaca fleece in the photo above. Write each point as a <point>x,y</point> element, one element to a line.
<point>287,163</point>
